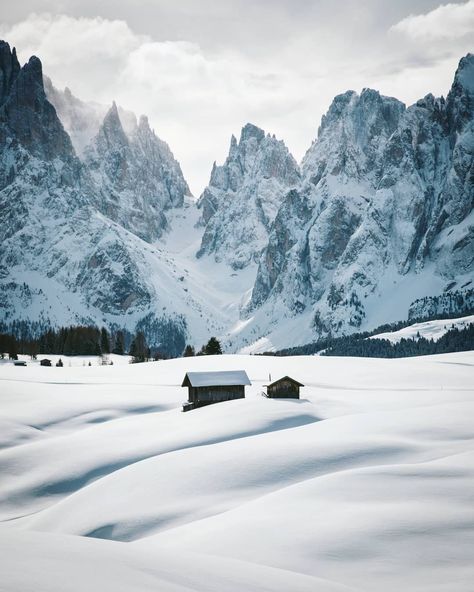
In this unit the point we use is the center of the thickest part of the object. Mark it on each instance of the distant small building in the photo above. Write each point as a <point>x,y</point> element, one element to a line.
<point>206,388</point>
<point>45,362</point>
<point>284,388</point>
<point>19,363</point>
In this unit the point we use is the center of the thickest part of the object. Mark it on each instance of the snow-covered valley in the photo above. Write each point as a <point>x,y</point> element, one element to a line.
<point>365,483</point>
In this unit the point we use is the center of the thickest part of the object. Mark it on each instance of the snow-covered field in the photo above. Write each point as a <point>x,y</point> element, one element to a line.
<point>69,361</point>
<point>429,329</point>
<point>365,484</point>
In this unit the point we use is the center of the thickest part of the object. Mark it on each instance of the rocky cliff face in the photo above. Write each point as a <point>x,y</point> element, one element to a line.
<point>136,177</point>
<point>379,214</point>
<point>243,196</point>
<point>63,258</point>
<point>385,201</point>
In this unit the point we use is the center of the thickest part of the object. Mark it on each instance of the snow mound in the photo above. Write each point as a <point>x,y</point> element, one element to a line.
<point>362,484</point>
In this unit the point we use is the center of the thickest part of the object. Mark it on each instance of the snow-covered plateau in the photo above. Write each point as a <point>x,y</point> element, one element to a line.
<point>364,484</point>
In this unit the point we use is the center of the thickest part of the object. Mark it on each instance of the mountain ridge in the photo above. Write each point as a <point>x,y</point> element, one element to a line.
<point>378,214</point>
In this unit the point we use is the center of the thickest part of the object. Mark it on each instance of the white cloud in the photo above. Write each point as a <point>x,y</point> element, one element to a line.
<point>447,21</point>
<point>195,101</point>
<point>196,98</point>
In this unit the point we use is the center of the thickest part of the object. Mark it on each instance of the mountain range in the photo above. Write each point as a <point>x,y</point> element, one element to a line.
<point>97,224</point>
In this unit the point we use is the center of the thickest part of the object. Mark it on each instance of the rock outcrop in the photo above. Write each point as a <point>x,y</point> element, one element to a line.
<point>385,204</point>
<point>243,196</point>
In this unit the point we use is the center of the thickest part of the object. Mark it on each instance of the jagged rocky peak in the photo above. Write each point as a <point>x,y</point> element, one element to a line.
<point>243,196</point>
<point>80,119</point>
<point>136,175</point>
<point>9,69</point>
<point>111,134</point>
<point>386,192</point>
<point>460,99</point>
<point>29,116</point>
<point>464,76</point>
<point>70,227</point>
<point>351,133</point>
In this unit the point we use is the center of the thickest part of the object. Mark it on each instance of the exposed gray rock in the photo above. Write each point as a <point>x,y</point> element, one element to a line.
<point>64,258</point>
<point>136,176</point>
<point>243,196</point>
<point>387,192</point>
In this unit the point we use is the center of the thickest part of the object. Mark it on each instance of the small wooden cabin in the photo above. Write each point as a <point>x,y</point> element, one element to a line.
<point>285,388</point>
<point>206,388</point>
<point>45,362</point>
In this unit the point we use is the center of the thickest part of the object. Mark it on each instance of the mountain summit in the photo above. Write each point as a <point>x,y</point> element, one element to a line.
<point>243,196</point>
<point>97,226</point>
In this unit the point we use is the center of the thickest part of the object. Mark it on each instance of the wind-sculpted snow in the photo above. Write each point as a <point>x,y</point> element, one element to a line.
<point>362,484</point>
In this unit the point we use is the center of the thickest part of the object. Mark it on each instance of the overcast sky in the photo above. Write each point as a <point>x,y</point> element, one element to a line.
<point>201,69</point>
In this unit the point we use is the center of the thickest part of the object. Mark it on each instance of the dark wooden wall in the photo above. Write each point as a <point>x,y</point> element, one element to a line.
<point>284,389</point>
<point>216,393</point>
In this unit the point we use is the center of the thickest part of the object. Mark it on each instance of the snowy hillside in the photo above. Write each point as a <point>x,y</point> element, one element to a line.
<point>429,329</point>
<point>364,484</point>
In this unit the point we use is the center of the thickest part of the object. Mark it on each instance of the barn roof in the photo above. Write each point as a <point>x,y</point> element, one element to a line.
<point>286,378</point>
<point>229,378</point>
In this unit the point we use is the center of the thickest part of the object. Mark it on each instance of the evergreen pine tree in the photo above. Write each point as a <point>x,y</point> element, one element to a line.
<point>104,341</point>
<point>119,345</point>
<point>189,351</point>
<point>138,348</point>
<point>212,347</point>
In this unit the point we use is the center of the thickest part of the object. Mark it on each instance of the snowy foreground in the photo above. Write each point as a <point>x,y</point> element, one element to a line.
<point>366,483</point>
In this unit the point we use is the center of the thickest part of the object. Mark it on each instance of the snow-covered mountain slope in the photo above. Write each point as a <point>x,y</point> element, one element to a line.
<point>428,330</point>
<point>336,491</point>
<point>64,260</point>
<point>244,195</point>
<point>136,177</point>
<point>97,227</point>
<point>458,302</point>
<point>384,214</point>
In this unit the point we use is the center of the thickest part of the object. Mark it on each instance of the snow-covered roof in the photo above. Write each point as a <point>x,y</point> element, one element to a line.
<point>286,378</point>
<point>227,378</point>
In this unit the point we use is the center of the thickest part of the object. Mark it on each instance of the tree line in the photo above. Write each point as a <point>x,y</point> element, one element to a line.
<point>80,340</point>
<point>359,345</point>
<point>86,340</point>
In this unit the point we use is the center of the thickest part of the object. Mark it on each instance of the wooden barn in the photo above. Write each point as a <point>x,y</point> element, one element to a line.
<point>205,388</point>
<point>285,388</point>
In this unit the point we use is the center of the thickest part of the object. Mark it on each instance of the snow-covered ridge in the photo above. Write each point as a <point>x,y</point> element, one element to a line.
<point>428,330</point>
<point>383,216</point>
<point>244,195</point>
<point>76,232</point>
<point>97,227</point>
